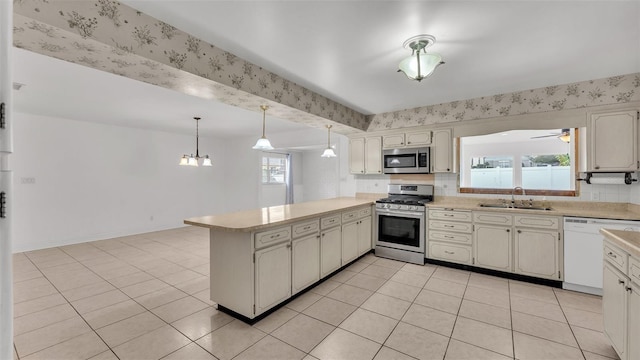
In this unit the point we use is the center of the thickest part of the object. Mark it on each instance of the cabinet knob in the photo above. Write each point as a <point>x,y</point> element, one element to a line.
<point>408,142</point>
<point>596,167</point>
<point>448,169</point>
<point>508,230</point>
<point>621,282</point>
<point>612,255</point>
<point>519,231</point>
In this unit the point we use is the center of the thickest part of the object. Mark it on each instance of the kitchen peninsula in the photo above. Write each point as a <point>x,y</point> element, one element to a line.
<point>261,258</point>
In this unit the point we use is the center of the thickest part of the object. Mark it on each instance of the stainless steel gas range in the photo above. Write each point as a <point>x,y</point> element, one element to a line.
<point>401,223</point>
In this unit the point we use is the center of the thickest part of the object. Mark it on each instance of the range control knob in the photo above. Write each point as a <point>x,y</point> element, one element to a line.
<point>412,208</point>
<point>396,207</point>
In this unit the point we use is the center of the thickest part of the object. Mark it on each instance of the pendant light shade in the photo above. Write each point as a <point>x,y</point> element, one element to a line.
<point>263,143</point>
<point>328,152</point>
<point>190,160</point>
<point>420,64</point>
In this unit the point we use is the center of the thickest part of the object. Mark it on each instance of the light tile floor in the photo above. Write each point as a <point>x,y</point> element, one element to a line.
<point>147,297</point>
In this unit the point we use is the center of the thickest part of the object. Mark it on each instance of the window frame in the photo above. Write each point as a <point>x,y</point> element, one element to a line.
<point>272,155</point>
<point>533,192</point>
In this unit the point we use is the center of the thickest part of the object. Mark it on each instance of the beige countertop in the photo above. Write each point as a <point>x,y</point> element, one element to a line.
<point>602,210</point>
<point>256,219</point>
<point>629,241</point>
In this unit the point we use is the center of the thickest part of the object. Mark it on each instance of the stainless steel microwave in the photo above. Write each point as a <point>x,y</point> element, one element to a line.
<point>406,161</point>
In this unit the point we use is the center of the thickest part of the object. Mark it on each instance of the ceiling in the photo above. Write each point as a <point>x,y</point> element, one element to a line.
<point>348,51</point>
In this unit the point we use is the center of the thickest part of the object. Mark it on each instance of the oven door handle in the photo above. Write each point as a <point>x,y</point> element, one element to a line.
<point>401,213</point>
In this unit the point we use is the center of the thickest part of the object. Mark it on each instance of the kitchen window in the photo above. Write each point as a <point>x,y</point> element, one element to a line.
<point>274,168</point>
<point>543,162</point>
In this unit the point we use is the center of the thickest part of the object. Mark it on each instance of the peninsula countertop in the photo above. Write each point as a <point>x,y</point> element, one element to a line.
<point>256,219</point>
<point>627,240</point>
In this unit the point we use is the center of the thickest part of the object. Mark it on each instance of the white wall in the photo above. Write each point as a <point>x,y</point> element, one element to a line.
<point>95,181</point>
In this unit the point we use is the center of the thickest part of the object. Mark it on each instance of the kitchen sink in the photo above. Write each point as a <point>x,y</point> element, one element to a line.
<point>509,206</point>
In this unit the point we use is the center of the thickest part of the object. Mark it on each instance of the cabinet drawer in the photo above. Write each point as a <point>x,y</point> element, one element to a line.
<point>542,222</point>
<point>305,228</point>
<point>616,257</point>
<point>450,237</point>
<point>270,237</point>
<point>450,226</point>
<point>454,215</point>
<point>492,218</point>
<point>454,253</point>
<point>634,270</point>
<point>364,212</point>
<point>356,214</point>
<point>330,221</point>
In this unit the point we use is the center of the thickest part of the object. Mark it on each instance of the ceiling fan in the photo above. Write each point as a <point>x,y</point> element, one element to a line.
<point>564,135</point>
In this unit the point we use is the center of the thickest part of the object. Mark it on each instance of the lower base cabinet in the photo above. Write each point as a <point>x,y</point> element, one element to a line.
<point>349,242</point>
<point>330,251</point>
<point>272,276</point>
<point>305,262</point>
<point>614,308</point>
<point>364,236</point>
<point>634,323</point>
<point>493,247</point>
<point>537,253</point>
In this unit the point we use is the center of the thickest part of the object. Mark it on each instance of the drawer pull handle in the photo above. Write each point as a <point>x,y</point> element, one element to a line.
<point>449,215</point>
<point>612,255</point>
<point>448,237</point>
<point>275,236</point>
<point>307,227</point>
<point>448,226</point>
<point>449,252</point>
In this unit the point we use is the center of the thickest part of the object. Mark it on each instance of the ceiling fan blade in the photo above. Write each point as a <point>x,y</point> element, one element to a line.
<point>544,136</point>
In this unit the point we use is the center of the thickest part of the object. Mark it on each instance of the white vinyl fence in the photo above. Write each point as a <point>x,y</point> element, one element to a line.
<point>547,177</point>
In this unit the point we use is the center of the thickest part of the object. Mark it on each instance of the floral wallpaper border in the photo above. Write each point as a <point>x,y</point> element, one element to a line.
<point>611,90</point>
<point>110,36</point>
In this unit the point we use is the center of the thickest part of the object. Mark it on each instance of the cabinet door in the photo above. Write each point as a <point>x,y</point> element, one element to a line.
<point>418,138</point>
<point>614,141</point>
<point>442,151</point>
<point>272,276</point>
<point>373,155</point>
<point>634,323</point>
<point>393,141</point>
<point>305,262</point>
<point>364,235</point>
<point>537,253</point>
<point>614,308</point>
<point>330,251</point>
<point>349,242</point>
<point>356,156</point>
<point>493,247</point>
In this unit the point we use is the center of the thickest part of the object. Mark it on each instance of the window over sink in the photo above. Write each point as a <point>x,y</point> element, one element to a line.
<point>543,162</point>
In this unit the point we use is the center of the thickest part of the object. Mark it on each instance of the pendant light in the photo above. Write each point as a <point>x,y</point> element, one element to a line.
<point>194,160</point>
<point>418,66</point>
<point>328,152</point>
<point>263,143</point>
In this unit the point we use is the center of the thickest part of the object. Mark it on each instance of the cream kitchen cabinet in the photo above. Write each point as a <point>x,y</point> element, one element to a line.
<point>330,250</point>
<point>621,300</point>
<point>442,151</point>
<point>356,233</point>
<point>450,235</point>
<point>407,139</point>
<point>613,144</point>
<point>492,247</point>
<point>523,244</point>
<point>305,255</point>
<point>365,155</point>
<point>272,276</point>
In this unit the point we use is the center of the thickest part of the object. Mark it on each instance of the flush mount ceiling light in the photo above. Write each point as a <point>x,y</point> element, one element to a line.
<point>194,160</point>
<point>263,143</point>
<point>420,64</point>
<point>328,152</point>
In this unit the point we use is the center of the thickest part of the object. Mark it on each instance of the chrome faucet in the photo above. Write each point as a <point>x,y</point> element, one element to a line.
<point>513,199</point>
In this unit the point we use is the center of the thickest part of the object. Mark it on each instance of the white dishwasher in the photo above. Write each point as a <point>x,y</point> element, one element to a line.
<point>583,251</point>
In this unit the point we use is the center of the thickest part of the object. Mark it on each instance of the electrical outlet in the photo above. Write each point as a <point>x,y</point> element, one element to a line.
<point>595,196</point>
<point>28,180</point>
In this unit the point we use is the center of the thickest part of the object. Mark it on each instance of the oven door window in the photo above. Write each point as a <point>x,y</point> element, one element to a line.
<point>399,230</point>
<point>400,161</point>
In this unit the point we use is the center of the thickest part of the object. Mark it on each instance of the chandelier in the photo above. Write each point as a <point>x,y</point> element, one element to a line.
<point>420,64</point>
<point>195,160</point>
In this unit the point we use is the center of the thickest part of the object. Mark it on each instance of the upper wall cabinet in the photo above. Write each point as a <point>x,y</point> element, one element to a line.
<point>409,139</point>
<point>613,144</point>
<point>365,155</point>
<point>442,152</point>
